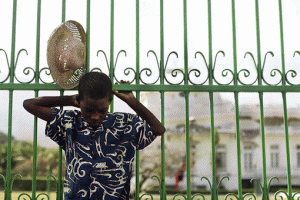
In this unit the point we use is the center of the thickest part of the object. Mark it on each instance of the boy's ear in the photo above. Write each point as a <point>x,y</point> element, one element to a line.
<point>111,97</point>
<point>77,98</point>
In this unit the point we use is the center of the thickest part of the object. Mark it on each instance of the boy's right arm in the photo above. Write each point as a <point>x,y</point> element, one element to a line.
<point>41,106</point>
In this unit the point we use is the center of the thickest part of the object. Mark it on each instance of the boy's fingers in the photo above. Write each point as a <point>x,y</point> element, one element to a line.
<point>122,81</point>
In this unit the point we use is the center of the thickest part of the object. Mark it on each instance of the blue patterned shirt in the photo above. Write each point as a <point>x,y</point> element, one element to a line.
<point>98,162</point>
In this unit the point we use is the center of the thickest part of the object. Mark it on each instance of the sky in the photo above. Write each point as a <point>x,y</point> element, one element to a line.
<point>150,40</point>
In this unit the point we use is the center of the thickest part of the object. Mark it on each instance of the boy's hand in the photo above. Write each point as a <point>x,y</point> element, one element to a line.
<point>128,97</point>
<point>124,95</point>
<point>41,106</point>
<point>75,100</point>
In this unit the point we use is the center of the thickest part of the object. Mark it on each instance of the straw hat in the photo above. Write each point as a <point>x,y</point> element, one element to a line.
<point>66,52</point>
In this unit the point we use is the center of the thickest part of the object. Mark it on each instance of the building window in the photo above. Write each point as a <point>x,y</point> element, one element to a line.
<point>298,155</point>
<point>274,156</point>
<point>248,157</point>
<point>221,158</point>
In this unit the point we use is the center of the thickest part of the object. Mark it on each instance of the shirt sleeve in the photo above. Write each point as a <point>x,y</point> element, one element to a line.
<point>142,132</point>
<point>55,128</point>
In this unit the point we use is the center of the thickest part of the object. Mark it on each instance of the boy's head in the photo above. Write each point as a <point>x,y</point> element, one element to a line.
<point>95,96</point>
<point>95,85</point>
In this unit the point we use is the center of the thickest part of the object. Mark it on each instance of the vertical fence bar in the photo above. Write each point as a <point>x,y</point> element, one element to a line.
<point>48,187</point>
<point>37,51</point>
<point>63,13</point>
<point>214,192</point>
<point>187,144</point>
<point>37,46</point>
<point>187,119</point>
<point>186,61</point>
<point>236,104</point>
<point>265,194</point>
<point>163,194</point>
<point>282,42</point>
<point>88,27</point>
<point>285,120</point>
<point>162,41</point>
<point>60,185</point>
<point>112,45</point>
<point>137,41</point>
<point>137,46</point>
<point>34,166</point>
<point>37,54</point>
<point>13,43</point>
<point>8,185</point>
<point>287,148</point>
<point>259,72</point>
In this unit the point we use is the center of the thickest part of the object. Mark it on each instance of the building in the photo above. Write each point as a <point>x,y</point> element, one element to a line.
<point>226,146</point>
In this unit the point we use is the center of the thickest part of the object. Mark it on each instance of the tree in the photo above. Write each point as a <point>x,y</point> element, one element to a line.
<point>3,157</point>
<point>3,138</point>
<point>25,168</point>
<point>51,156</point>
<point>22,158</point>
<point>45,157</point>
<point>218,156</point>
<point>150,164</point>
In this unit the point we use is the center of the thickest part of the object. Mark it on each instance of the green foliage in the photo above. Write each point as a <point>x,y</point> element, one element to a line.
<point>3,153</point>
<point>22,159</point>
<point>25,149</point>
<point>3,157</point>
<point>51,156</point>
<point>3,138</point>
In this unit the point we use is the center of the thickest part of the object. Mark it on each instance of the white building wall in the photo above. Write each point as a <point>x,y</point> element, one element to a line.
<point>199,110</point>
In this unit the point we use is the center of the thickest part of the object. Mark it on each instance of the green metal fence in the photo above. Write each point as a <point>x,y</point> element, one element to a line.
<point>162,84</point>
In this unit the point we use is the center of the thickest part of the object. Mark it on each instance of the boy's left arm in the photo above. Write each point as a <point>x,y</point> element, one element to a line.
<point>128,97</point>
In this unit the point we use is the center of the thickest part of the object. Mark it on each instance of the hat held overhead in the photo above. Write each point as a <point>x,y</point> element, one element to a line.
<point>66,54</point>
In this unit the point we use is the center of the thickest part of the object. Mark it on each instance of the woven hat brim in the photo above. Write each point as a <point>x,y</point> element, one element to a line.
<point>66,79</point>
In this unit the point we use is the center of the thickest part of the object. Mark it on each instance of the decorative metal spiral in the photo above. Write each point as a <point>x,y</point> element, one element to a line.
<point>174,72</point>
<point>26,71</point>
<point>41,196</point>
<point>225,72</point>
<point>105,57</point>
<point>174,76</point>
<point>145,195</point>
<point>2,177</point>
<point>127,71</point>
<point>148,71</point>
<point>231,196</point>
<point>38,197</point>
<point>7,61</point>
<point>280,195</point>
<point>199,196</point>
<point>273,72</point>
<point>246,73</point>
<point>197,73</point>
<point>292,73</point>
<point>178,196</point>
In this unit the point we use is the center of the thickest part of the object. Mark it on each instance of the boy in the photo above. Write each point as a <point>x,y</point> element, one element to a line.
<point>99,146</point>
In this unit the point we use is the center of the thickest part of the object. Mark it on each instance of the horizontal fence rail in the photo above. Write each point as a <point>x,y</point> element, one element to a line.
<point>162,78</point>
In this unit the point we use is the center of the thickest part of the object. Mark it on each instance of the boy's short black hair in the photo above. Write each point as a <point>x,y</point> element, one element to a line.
<point>95,85</point>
